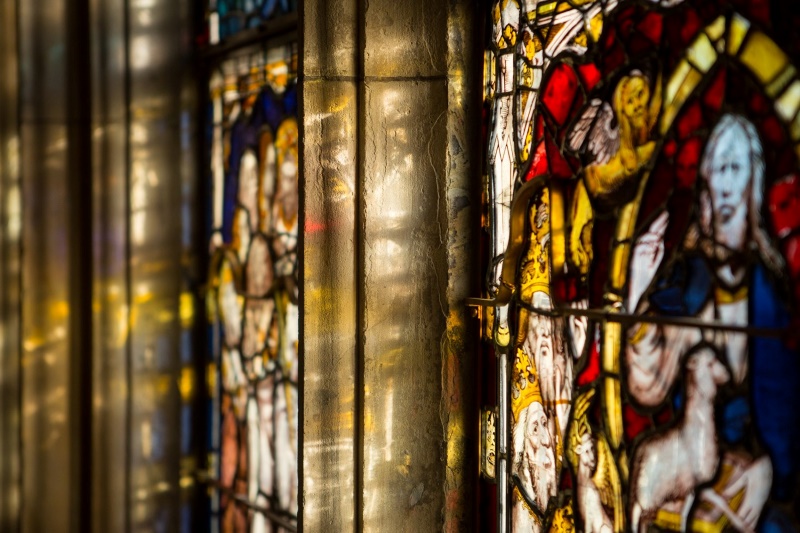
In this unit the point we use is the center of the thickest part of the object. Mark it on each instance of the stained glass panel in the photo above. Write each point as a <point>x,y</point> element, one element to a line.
<point>228,17</point>
<point>642,187</point>
<point>253,290</point>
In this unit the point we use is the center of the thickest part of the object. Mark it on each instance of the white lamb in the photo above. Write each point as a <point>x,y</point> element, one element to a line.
<point>670,465</point>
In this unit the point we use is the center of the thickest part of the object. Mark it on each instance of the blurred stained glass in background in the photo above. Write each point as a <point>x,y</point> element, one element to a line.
<point>228,17</point>
<point>253,293</point>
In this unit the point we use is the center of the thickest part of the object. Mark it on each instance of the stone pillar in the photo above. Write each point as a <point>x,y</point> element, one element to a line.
<point>391,127</point>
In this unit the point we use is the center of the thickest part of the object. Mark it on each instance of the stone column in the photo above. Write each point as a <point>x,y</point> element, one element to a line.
<point>391,127</point>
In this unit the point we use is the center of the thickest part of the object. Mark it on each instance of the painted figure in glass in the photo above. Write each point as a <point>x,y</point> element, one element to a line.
<point>651,149</point>
<point>254,274</point>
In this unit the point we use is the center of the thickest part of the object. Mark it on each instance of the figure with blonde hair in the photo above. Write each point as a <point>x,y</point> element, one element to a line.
<point>722,274</point>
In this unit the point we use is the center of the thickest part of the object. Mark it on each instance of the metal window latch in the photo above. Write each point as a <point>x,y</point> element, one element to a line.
<point>488,449</point>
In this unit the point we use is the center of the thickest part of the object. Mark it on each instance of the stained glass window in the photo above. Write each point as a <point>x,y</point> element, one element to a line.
<point>253,290</point>
<point>643,191</point>
<point>228,17</point>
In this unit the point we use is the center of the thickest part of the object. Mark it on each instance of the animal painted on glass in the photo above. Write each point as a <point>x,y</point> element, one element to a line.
<point>599,491</point>
<point>671,465</point>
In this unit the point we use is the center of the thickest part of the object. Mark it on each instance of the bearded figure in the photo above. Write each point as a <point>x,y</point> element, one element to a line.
<point>534,465</point>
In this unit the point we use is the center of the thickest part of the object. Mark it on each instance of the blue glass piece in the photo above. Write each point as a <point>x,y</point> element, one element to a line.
<point>735,415</point>
<point>685,290</point>
<point>775,378</point>
<point>268,8</point>
<point>775,521</point>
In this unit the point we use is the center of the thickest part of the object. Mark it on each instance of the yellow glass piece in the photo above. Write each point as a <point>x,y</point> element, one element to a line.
<point>781,81</point>
<point>789,103</point>
<point>676,80</point>
<point>523,368</point>
<point>581,39</point>
<point>684,90</point>
<point>736,33</point>
<point>623,464</point>
<point>487,443</point>
<point>526,148</point>
<point>580,237</point>
<point>596,27</point>
<point>546,8</point>
<point>702,53</point>
<point>619,262</point>
<point>502,336</point>
<point>488,75</point>
<point>764,58</point>
<point>670,519</point>
<point>510,35</point>
<point>611,343</point>
<point>795,129</point>
<point>619,257</point>
<point>488,323</point>
<point>613,402</point>
<point>557,241</point>
<point>562,520</point>
<point>716,28</point>
<point>535,275</point>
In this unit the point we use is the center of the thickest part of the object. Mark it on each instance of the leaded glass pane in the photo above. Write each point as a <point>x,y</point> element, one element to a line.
<point>254,291</point>
<point>642,198</point>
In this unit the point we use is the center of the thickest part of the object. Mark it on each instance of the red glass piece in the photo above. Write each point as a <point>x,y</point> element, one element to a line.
<point>559,168</point>
<point>670,147</point>
<point>784,161</point>
<point>756,10</point>
<point>690,25</point>
<point>634,422</point>
<point>715,93</point>
<point>791,252</point>
<point>651,26</point>
<point>659,186</point>
<point>614,58</point>
<point>589,74</point>
<point>626,21</point>
<point>784,205</point>
<point>560,92</point>
<point>759,105</point>
<point>664,415</point>
<point>773,131</point>
<point>690,121</point>
<point>687,162</point>
<point>639,45</point>
<point>539,163</point>
<point>567,289</point>
<point>591,371</point>
<point>539,128</point>
<point>566,479</point>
